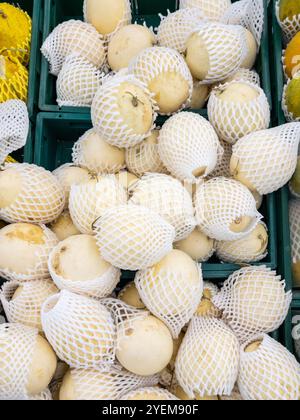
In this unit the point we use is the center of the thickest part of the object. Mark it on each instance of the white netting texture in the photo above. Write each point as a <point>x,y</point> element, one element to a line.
<point>270,373</point>
<point>233,119</point>
<point>294,213</point>
<point>290,26</point>
<point>253,300</point>
<point>25,308</point>
<point>38,253</point>
<point>213,12</point>
<point>175,28</point>
<point>70,37</point>
<point>78,82</point>
<point>235,396</point>
<point>156,62</point>
<point>123,111</point>
<point>208,359</point>
<point>81,331</point>
<point>17,344</point>
<point>268,158</point>
<point>14,127</point>
<point>223,164</point>
<point>151,394</point>
<point>133,237</point>
<point>39,197</point>
<point>222,205</point>
<point>189,146</point>
<point>172,295</point>
<point>89,201</point>
<point>288,115</point>
<point>167,197</point>
<point>43,396</point>
<point>244,75</point>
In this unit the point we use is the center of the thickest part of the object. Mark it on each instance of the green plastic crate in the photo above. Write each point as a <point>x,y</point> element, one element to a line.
<point>57,11</point>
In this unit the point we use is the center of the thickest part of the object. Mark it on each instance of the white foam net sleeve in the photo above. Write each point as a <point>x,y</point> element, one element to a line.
<point>167,197</point>
<point>290,26</point>
<point>41,198</point>
<point>17,344</point>
<point>235,396</point>
<point>244,75</point>
<point>189,147</point>
<point>253,300</point>
<point>155,61</point>
<point>175,28</point>
<point>294,219</point>
<point>223,163</point>
<point>288,115</point>
<point>14,127</point>
<point>78,82</point>
<point>40,270</point>
<point>43,396</point>
<point>220,202</point>
<point>149,394</point>
<point>268,158</point>
<point>55,385</point>
<point>208,359</point>
<point>89,201</point>
<point>73,36</point>
<point>170,296</point>
<point>213,12</point>
<point>81,331</point>
<point>26,308</point>
<point>270,373</point>
<point>133,237</point>
<point>234,120</point>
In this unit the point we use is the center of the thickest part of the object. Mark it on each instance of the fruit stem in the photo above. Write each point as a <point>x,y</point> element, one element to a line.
<point>135,100</point>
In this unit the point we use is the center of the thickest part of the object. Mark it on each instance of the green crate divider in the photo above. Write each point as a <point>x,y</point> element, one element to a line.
<point>57,11</point>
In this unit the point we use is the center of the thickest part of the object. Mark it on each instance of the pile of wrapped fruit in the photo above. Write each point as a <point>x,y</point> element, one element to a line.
<point>153,201</point>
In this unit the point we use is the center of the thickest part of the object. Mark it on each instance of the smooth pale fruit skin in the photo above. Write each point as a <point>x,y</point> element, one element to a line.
<point>147,348</point>
<point>197,57</point>
<point>241,224</point>
<point>288,9</point>
<point>127,43</point>
<point>292,98</point>
<point>42,368</point>
<point>296,273</point>
<point>258,199</point>
<point>176,346</point>
<point>71,175</point>
<point>78,259</point>
<point>292,53</point>
<point>127,179</point>
<point>131,297</point>
<point>179,393</point>
<point>64,227</point>
<point>10,187</point>
<point>250,59</point>
<point>238,93</point>
<point>105,15</point>
<point>135,108</point>
<point>198,246</point>
<point>67,389</point>
<point>199,96</point>
<point>237,173</point>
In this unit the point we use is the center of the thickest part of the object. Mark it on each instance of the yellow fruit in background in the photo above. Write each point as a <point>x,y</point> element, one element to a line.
<point>295,181</point>
<point>292,96</point>
<point>292,56</point>
<point>13,79</point>
<point>288,9</point>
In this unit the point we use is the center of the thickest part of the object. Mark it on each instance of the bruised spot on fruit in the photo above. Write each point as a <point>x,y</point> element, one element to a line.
<point>129,332</point>
<point>28,233</point>
<point>253,347</point>
<point>199,172</point>
<point>241,224</point>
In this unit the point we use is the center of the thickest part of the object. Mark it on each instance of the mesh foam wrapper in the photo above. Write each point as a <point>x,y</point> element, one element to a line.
<point>154,61</point>
<point>89,201</point>
<point>70,37</point>
<point>234,120</point>
<point>244,75</point>
<point>238,252</point>
<point>26,308</point>
<point>270,373</point>
<point>235,396</point>
<point>98,288</point>
<point>167,197</point>
<point>15,86</point>
<point>78,82</point>
<point>17,344</point>
<point>227,48</point>
<point>223,164</point>
<point>208,359</point>
<point>253,301</point>
<point>294,220</point>
<point>186,143</point>
<point>81,331</point>
<point>14,127</point>
<point>290,26</point>
<point>268,158</point>
<point>288,115</point>
<point>169,296</point>
<point>43,396</point>
<point>221,201</point>
<point>40,271</point>
<point>213,12</point>
<point>107,119</point>
<point>175,28</point>
<point>159,394</point>
<point>133,237</point>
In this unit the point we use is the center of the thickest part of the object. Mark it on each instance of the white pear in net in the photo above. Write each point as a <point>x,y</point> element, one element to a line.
<point>145,157</point>
<point>123,111</point>
<point>225,209</point>
<point>24,252</point>
<point>237,109</point>
<point>290,117</point>
<point>165,73</point>
<point>70,37</point>
<point>133,237</point>
<point>268,372</point>
<point>189,147</point>
<point>167,197</point>
<point>22,302</point>
<point>30,195</point>
<point>290,25</point>
<point>151,394</point>
<point>213,12</point>
<point>294,220</point>
<point>81,331</point>
<point>76,264</point>
<point>208,359</point>
<point>244,75</point>
<point>14,127</point>
<point>172,289</point>
<point>266,160</point>
<point>197,245</point>
<point>253,300</point>
<point>223,164</point>
<point>91,151</point>
<point>175,28</point>
<point>90,200</point>
<point>78,82</point>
